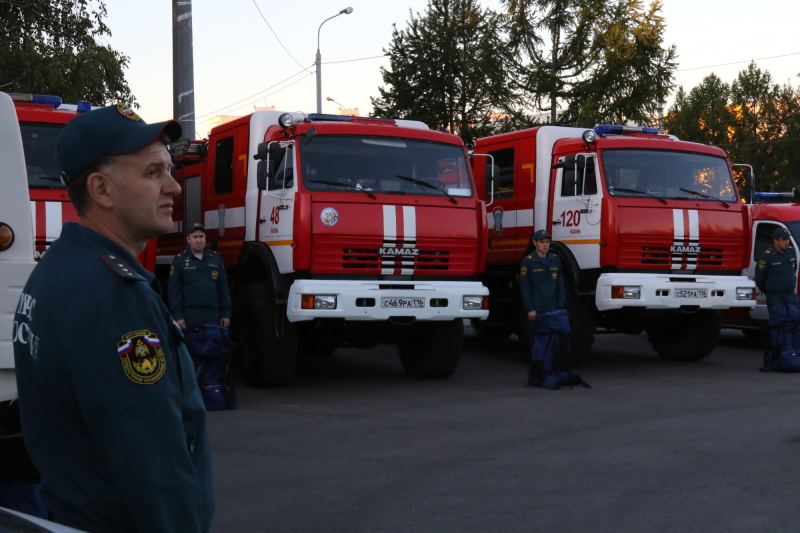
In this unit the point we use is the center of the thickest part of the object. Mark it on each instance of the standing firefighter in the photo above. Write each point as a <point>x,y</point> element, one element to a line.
<point>198,285</point>
<point>200,301</point>
<point>776,276</point>
<point>111,413</point>
<point>543,298</point>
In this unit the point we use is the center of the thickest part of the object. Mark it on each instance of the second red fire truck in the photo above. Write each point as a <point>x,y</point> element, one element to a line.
<point>338,230</point>
<point>651,231</point>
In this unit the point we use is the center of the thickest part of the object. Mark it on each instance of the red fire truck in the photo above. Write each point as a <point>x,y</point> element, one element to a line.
<point>337,230</point>
<point>650,229</point>
<point>41,119</point>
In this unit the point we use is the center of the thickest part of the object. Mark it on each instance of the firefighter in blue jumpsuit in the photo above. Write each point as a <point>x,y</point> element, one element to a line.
<point>542,290</point>
<point>776,276</point>
<point>198,285</point>
<point>111,412</point>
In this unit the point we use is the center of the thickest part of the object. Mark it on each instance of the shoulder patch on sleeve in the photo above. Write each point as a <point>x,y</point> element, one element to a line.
<point>141,356</point>
<point>523,270</point>
<point>121,268</point>
<point>761,264</point>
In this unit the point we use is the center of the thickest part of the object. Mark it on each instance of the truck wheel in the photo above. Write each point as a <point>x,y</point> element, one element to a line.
<point>267,340</point>
<point>686,337</point>
<point>432,350</point>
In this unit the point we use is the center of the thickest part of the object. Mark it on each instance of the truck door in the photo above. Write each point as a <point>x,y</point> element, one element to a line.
<point>575,201</point>
<point>276,220</point>
<point>509,229</point>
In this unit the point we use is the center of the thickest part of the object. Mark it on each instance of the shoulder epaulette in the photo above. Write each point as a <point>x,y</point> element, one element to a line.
<point>528,257</point>
<point>120,268</point>
<point>180,254</point>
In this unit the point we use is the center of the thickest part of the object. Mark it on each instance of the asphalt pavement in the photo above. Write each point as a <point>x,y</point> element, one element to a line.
<point>654,446</point>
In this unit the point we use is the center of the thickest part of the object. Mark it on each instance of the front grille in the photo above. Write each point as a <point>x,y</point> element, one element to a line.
<point>662,256</point>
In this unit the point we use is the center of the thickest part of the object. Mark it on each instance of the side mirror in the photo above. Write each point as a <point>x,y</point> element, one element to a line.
<point>261,175</point>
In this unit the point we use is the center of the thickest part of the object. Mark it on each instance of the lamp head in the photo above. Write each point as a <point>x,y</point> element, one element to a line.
<point>346,11</point>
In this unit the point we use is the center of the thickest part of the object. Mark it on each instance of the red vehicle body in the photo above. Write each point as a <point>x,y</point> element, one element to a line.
<point>650,229</point>
<point>41,119</point>
<point>765,219</point>
<point>337,230</point>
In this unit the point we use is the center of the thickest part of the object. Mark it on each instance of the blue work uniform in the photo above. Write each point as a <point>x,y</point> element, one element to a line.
<point>111,412</point>
<point>541,283</point>
<point>776,276</point>
<point>198,289</point>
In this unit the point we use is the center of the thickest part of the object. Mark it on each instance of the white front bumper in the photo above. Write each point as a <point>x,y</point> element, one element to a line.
<point>349,292</point>
<point>658,291</point>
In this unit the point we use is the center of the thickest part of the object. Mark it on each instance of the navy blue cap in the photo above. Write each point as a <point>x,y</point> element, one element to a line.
<point>541,234</point>
<point>781,233</point>
<point>197,227</point>
<point>112,130</point>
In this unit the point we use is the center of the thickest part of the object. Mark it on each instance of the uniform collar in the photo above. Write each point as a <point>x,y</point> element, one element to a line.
<point>84,237</point>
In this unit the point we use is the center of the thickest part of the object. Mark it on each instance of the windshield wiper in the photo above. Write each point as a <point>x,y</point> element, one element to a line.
<point>636,191</point>
<point>340,184</point>
<point>704,195</point>
<point>426,184</point>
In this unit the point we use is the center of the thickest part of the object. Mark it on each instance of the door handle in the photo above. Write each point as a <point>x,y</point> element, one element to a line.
<point>556,222</point>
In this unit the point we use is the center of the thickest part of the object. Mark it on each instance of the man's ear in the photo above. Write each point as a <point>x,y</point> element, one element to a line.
<point>98,186</point>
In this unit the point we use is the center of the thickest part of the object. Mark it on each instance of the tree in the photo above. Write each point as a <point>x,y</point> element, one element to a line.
<point>704,115</point>
<point>449,69</point>
<point>51,47</point>
<point>595,60</point>
<point>753,119</point>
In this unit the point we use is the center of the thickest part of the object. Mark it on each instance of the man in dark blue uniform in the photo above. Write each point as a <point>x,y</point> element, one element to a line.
<point>776,276</point>
<point>198,285</point>
<point>111,412</point>
<point>543,298</point>
<point>776,271</point>
<point>541,278</point>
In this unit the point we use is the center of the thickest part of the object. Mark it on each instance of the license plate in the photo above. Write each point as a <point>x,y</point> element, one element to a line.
<point>402,303</point>
<point>691,293</point>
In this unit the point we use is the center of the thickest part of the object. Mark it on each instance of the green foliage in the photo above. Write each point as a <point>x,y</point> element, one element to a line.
<point>449,69</point>
<point>52,47</point>
<point>592,61</point>
<point>753,119</point>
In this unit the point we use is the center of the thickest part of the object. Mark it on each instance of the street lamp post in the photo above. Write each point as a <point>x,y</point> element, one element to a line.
<point>345,11</point>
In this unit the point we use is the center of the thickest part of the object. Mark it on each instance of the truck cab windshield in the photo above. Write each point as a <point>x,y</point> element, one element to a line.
<point>39,145</point>
<point>667,174</point>
<point>384,165</point>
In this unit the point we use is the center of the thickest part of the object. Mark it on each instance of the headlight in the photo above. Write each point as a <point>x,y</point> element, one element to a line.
<point>744,293</point>
<point>620,292</point>
<point>318,301</point>
<point>286,120</point>
<point>473,303</point>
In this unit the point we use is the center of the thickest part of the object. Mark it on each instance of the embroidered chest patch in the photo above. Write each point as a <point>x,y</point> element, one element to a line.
<point>142,357</point>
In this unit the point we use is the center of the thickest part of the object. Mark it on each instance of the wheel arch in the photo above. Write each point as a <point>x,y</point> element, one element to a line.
<point>257,263</point>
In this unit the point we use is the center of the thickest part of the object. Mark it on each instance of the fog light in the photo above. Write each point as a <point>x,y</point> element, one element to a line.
<point>318,301</point>
<point>619,292</point>
<point>473,303</point>
<point>744,293</point>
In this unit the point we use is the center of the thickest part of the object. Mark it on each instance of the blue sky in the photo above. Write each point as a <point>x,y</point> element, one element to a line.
<point>239,62</point>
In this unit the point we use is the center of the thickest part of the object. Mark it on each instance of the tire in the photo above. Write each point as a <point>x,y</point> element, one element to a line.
<point>267,341</point>
<point>432,350</point>
<point>686,337</point>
